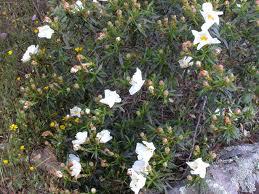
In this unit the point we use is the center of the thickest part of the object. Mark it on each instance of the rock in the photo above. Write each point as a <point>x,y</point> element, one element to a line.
<point>235,172</point>
<point>46,160</point>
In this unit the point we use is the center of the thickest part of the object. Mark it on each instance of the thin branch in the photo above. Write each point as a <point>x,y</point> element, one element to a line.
<point>36,7</point>
<point>201,111</point>
<point>197,127</point>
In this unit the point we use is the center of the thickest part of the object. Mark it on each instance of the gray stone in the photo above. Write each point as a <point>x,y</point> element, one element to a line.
<point>236,171</point>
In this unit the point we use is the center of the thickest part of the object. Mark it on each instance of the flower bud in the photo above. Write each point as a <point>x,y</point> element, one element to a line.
<point>203,73</point>
<point>110,24</point>
<point>231,77</point>
<point>227,120</point>
<point>165,93</point>
<point>165,141</point>
<point>167,150</point>
<point>205,84</point>
<point>237,111</point>
<point>227,80</point>
<point>165,164</point>
<point>219,68</point>
<point>151,89</point>
<point>118,39</point>
<point>149,82</point>
<point>159,22</point>
<point>119,13</point>
<point>142,134</point>
<point>76,86</point>
<point>198,64</point>
<point>161,83</point>
<point>213,155</point>
<point>189,178</point>
<point>214,118</point>
<point>159,130</point>
<point>93,190</point>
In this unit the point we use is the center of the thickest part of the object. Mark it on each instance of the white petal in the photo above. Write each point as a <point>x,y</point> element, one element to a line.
<point>31,50</point>
<point>207,7</point>
<point>104,136</point>
<point>45,32</point>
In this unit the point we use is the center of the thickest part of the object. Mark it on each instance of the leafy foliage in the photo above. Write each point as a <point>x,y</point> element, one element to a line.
<point>186,113</point>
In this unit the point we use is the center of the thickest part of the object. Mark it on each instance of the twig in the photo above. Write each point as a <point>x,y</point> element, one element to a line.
<point>197,126</point>
<point>195,132</point>
<point>35,6</point>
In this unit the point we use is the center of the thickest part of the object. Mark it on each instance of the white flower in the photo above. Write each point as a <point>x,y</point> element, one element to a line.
<point>104,136</point>
<point>203,38</point>
<point>211,17</point>
<point>31,50</point>
<point>80,139</point>
<point>145,151</point>
<point>217,112</point>
<point>111,97</point>
<point>78,6</point>
<point>87,111</point>
<point>136,82</point>
<point>185,62</point>
<point>75,112</point>
<point>198,167</point>
<point>45,32</point>
<point>138,181</point>
<point>75,68</point>
<point>140,166</point>
<point>76,166</point>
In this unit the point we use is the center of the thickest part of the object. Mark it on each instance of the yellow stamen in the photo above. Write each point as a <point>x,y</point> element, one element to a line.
<point>204,38</point>
<point>210,17</point>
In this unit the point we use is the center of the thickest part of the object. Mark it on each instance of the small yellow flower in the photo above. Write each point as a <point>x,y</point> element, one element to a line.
<point>18,78</point>
<point>31,168</point>
<point>10,52</point>
<point>13,127</point>
<point>66,118</point>
<point>52,124</point>
<point>22,147</point>
<point>46,88</point>
<point>79,49</point>
<point>5,162</point>
<point>62,127</point>
<point>36,31</point>
<point>77,120</point>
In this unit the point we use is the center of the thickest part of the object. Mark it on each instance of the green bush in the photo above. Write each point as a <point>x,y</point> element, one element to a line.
<point>186,111</point>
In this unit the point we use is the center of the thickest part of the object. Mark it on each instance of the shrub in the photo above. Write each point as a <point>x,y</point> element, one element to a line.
<point>185,108</point>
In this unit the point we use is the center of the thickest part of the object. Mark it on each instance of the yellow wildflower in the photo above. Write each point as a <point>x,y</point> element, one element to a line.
<point>77,120</point>
<point>5,162</point>
<point>62,127</point>
<point>22,147</point>
<point>31,168</point>
<point>52,124</point>
<point>13,127</point>
<point>79,49</point>
<point>36,31</point>
<point>10,52</point>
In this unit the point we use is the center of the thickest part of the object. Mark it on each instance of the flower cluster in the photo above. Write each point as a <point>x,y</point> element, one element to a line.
<point>140,168</point>
<point>211,17</point>
<point>120,79</point>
